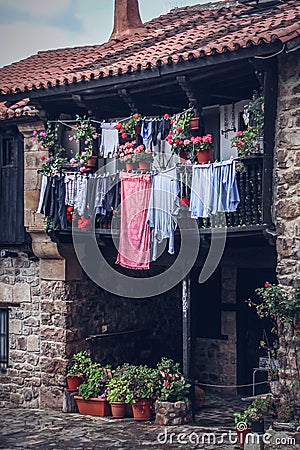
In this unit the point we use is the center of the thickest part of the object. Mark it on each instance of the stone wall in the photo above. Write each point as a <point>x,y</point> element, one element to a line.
<point>287,206</point>
<point>19,285</point>
<point>216,359</point>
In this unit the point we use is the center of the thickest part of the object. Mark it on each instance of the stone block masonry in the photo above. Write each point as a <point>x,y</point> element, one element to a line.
<point>19,285</point>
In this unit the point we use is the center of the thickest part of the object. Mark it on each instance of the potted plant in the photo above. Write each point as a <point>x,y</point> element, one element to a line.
<point>203,147</point>
<point>242,426</point>
<point>117,395</point>
<point>142,389</point>
<point>179,135</point>
<point>86,134</point>
<point>143,156</point>
<point>246,142</point>
<point>256,412</point>
<point>91,398</point>
<point>131,127</point>
<point>79,369</point>
<point>172,406</point>
<point>125,154</point>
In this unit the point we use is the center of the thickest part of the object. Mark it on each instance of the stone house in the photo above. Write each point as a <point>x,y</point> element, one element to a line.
<point>210,57</point>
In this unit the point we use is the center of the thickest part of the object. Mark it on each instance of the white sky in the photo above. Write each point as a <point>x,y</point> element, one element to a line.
<point>28,26</point>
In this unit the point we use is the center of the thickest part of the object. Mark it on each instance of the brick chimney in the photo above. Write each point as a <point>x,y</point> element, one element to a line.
<point>127,19</point>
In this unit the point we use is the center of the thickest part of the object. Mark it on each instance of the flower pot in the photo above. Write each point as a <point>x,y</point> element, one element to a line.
<point>130,166</point>
<point>258,426</point>
<point>142,409</point>
<point>74,381</point>
<point>93,406</point>
<point>242,436</point>
<point>194,123</point>
<point>118,409</point>
<point>92,161</point>
<point>183,157</point>
<point>204,156</point>
<point>138,129</point>
<point>144,165</point>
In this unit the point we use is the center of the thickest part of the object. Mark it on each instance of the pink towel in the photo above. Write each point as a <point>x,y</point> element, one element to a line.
<point>134,247</point>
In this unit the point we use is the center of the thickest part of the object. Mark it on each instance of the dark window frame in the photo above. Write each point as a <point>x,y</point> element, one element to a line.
<point>4,337</point>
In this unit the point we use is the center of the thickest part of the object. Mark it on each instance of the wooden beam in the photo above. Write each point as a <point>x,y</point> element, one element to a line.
<point>187,88</point>
<point>123,93</point>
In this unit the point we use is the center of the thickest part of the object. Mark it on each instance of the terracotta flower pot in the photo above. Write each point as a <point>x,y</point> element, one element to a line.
<point>93,406</point>
<point>130,166</point>
<point>118,409</point>
<point>144,165</point>
<point>242,436</point>
<point>183,157</point>
<point>204,156</point>
<point>142,409</point>
<point>92,161</point>
<point>74,381</point>
<point>194,123</point>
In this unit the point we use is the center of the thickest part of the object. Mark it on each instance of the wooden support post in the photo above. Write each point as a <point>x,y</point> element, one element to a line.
<point>270,110</point>
<point>187,337</point>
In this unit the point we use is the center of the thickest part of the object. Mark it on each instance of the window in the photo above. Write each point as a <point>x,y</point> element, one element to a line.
<point>4,314</point>
<point>8,152</point>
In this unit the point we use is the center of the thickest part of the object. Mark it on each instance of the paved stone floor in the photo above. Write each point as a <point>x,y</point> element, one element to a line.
<point>48,429</point>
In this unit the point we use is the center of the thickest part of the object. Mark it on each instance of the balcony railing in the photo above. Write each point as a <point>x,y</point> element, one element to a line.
<point>248,213</point>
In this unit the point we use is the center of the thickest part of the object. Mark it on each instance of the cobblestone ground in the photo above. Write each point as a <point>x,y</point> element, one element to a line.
<point>39,429</point>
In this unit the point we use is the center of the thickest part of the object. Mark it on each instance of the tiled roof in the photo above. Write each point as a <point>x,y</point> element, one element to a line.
<point>182,34</point>
<point>18,109</point>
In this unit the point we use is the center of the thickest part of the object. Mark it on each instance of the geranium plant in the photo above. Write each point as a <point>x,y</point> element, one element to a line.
<point>125,152</point>
<point>173,386</point>
<point>96,383</point>
<point>201,143</point>
<point>246,142</point>
<point>142,381</point>
<point>129,127</point>
<point>48,141</point>
<point>81,160</point>
<point>86,133</point>
<point>141,153</point>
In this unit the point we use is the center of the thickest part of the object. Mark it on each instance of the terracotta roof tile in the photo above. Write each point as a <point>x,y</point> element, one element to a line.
<point>182,34</point>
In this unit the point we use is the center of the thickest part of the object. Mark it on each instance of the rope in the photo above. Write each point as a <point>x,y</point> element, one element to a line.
<point>230,385</point>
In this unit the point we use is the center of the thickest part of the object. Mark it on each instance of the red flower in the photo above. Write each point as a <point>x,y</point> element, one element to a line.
<point>166,383</point>
<point>118,126</point>
<point>179,129</point>
<point>136,116</point>
<point>124,136</point>
<point>267,284</point>
<point>184,201</point>
<point>239,133</point>
<point>42,157</point>
<point>166,116</point>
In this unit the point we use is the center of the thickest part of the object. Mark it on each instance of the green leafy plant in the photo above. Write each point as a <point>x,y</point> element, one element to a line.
<point>142,381</point>
<point>179,135</point>
<point>257,410</point>
<point>254,113</point>
<point>277,303</point>
<point>81,363</point>
<point>48,141</point>
<point>118,390</point>
<point>96,384</point>
<point>242,418</point>
<point>85,132</point>
<point>246,142</point>
<point>143,154</point>
<point>173,386</point>
<point>128,128</point>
